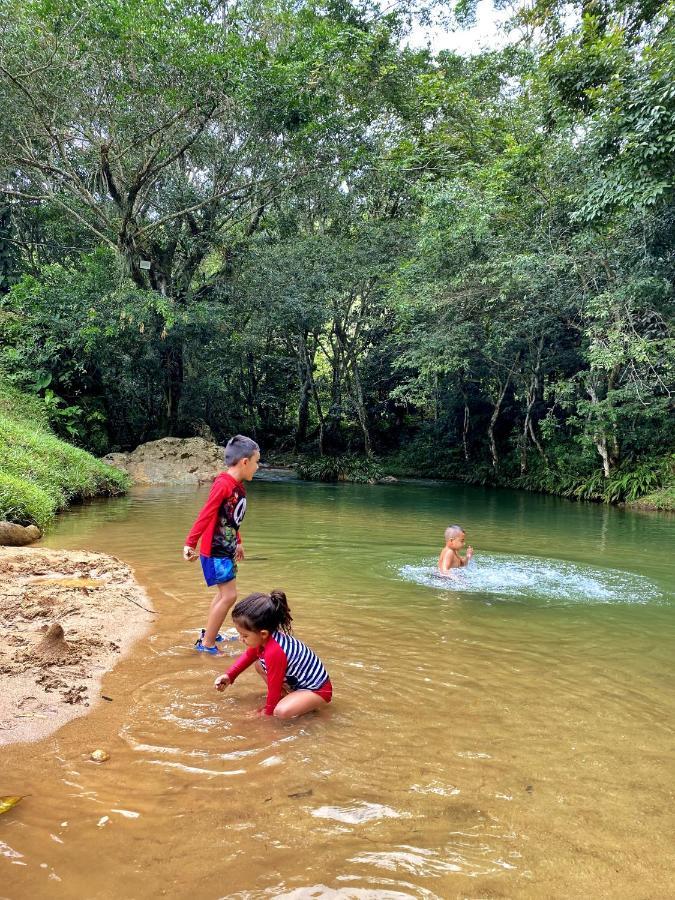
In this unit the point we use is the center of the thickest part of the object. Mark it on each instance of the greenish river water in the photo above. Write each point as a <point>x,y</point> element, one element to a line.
<point>504,733</point>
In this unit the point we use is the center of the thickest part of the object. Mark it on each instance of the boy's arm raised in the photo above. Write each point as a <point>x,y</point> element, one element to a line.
<point>469,556</point>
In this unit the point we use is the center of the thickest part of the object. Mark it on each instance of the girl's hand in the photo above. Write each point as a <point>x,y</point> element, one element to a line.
<point>221,682</point>
<point>189,554</point>
<point>239,553</point>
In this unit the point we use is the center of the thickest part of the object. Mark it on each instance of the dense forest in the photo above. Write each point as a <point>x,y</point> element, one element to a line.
<point>281,219</point>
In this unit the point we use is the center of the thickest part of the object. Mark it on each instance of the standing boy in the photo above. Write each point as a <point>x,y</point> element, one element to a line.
<point>218,527</point>
<point>450,558</point>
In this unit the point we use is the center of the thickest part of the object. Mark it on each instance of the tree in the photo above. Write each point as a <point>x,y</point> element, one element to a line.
<point>167,130</point>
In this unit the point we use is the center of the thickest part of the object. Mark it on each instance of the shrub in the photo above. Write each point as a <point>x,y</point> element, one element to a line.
<point>340,468</point>
<point>625,484</point>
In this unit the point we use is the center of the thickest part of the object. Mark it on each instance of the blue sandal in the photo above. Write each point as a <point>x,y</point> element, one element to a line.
<point>214,651</point>
<point>219,637</point>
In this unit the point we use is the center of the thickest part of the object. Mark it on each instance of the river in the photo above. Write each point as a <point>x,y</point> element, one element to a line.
<point>507,732</point>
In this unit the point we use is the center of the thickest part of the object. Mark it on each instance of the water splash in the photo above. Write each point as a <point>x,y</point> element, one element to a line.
<point>551,580</point>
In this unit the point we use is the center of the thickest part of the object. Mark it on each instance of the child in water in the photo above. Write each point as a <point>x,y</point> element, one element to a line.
<point>450,558</point>
<point>296,680</point>
<point>217,526</point>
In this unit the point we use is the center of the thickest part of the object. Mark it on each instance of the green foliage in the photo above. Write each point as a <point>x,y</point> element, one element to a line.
<point>341,468</point>
<point>10,260</point>
<point>85,340</point>
<point>663,499</point>
<point>275,219</point>
<point>613,73</point>
<point>626,484</point>
<point>40,474</point>
<point>427,454</point>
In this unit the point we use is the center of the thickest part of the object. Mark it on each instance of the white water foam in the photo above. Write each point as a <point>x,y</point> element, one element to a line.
<point>551,580</point>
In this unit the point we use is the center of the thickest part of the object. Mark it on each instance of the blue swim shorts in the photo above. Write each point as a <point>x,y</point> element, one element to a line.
<point>217,569</point>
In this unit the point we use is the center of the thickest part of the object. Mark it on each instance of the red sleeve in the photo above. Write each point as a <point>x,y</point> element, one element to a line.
<point>276,664</point>
<point>242,663</point>
<point>205,522</point>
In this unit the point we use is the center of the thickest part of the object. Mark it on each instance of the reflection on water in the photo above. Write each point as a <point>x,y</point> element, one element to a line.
<point>538,579</point>
<point>474,748</point>
<point>362,812</point>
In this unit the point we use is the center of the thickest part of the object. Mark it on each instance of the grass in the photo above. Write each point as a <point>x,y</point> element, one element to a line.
<point>661,499</point>
<point>40,474</point>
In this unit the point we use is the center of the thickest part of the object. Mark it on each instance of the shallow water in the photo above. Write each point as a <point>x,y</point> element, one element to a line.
<point>507,732</point>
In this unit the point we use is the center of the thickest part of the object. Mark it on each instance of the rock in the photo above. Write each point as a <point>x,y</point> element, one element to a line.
<point>100,755</point>
<point>116,460</point>
<point>171,460</point>
<point>13,535</point>
<point>387,479</point>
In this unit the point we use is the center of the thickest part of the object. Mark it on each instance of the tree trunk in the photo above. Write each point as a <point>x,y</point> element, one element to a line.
<point>305,373</point>
<point>491,434</point>
<point>172,364</point>
<point>600,438</point>
<point>495,413</point>
<point>359,404</point>
<point>361,413</point>
<point>334,417</point>
<point>601,445</point>
<point>308,390</point>
<point>532,393</point>
<point>465,432</point>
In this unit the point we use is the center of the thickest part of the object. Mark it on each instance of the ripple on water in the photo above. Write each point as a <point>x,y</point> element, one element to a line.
<point>174,726</point>
<point>554,581</point>
<point>359,812</point>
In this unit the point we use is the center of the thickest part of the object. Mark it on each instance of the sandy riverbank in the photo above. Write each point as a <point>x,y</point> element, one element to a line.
<point>51,674</point>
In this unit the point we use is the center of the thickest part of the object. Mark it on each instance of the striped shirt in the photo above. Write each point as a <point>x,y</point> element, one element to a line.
<point>284,658</point>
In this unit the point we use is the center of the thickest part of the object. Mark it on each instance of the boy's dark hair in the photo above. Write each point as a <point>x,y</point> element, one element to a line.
<point>264,611</point>
<point>239,447</point>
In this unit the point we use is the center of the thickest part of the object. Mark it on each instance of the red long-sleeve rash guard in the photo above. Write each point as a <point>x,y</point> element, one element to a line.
<point>275,663</point>
<point>224,509</point>
<point>285,659</point>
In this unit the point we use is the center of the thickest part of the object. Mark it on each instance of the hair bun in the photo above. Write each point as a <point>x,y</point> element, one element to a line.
<point>278,596</point>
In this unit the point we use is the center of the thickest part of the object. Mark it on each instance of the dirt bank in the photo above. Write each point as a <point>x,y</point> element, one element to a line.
<point>65,620</point>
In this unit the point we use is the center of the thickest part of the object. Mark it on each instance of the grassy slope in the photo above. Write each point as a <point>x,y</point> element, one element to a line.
<point>662,499</point>
<point>40,474</point>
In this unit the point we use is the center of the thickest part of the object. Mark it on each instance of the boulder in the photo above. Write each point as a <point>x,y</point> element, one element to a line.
<point>171,461</point>
<point>13,535</point>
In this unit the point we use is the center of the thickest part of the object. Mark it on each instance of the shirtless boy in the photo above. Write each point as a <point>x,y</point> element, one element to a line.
<point>450,558</point>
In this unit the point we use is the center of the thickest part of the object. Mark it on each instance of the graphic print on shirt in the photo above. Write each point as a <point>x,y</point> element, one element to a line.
<point>230,516</point>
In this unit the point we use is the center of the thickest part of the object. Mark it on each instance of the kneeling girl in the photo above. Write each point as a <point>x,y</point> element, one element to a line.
<point>297,682</point>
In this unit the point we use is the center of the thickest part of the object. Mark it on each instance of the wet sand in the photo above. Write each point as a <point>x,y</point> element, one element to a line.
<point>65,620</point>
